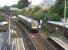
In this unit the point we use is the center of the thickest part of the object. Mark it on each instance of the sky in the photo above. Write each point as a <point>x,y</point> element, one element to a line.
<point>11,2</point>
<point>35,2</point>
<point>8,2</point>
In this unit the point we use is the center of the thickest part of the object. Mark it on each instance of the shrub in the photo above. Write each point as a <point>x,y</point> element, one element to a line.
<point>54,17</point>
<point>2,18</point>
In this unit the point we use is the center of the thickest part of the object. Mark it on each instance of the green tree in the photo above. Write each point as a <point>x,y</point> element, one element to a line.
<point>38,13</point>
<point>15,6</point>
<point>57,11</point>
<point>23,3</point>
<point>36,9</point>
<point>35,13</point>
<point>5,9</point>
<point>59,7</point>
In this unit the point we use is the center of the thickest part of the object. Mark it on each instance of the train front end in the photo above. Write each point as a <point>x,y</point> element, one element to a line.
<point>34,25</point>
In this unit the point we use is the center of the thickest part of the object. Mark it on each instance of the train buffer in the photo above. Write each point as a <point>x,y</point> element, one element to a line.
<point>62,42</point>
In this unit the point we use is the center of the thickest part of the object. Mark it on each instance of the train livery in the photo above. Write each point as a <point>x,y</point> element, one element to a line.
<point>30,23</point>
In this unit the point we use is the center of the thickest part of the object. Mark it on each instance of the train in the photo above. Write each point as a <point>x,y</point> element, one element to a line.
<point>32,24</point>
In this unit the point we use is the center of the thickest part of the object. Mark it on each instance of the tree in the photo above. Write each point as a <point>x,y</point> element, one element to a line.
<point>35,13</point>
<point>5,9</point>
<point>59,7</point>
<point>36,9</point>
<point>38,13</point>
<point>23,3</point>
<point>15,6</point>
<point>57,11</point>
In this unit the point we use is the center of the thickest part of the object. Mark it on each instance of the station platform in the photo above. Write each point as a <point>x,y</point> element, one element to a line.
<point>2,38</point>
<point>19,45</point>
<point>62,42</point>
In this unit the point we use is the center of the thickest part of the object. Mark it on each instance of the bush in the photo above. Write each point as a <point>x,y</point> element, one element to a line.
<point>35,13</point>
<point>54,17</point>
<point>2,18</point>
<point>39,15</point>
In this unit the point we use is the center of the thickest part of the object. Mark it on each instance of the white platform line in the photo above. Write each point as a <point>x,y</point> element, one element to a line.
<point>23,44</point>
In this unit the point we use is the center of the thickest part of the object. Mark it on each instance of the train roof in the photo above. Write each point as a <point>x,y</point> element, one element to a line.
<point>26,18</point>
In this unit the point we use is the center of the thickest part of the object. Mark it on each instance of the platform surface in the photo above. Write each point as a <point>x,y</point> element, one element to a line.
<point>62,42</point>
<point>2,37</point>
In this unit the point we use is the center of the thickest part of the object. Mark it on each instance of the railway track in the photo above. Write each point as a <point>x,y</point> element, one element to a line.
<point>26,37</point>
<point>44,42</point>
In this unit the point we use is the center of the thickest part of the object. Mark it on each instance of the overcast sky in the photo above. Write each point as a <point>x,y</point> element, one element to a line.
<point>35,2</point>
<point>11,2</point>
<point>8,2</point>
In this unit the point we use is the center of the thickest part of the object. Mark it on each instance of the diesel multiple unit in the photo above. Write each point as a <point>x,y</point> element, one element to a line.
<point>29,22</point>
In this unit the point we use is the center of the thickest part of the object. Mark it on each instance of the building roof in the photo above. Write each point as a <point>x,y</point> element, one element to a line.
<point>3,23</point>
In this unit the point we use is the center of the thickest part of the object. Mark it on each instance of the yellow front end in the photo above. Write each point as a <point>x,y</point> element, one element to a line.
<point>34,25</point>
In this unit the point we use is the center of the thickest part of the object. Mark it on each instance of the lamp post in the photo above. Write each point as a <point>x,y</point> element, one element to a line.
<point>9,31</point>
<point>65,8</point>
<point>65,14</point>
<point>9,28</point>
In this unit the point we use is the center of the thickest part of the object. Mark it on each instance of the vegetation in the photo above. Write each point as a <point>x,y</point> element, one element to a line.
<point>15,6</point>
<point>5,9</point>
<point>36,13</point>
<point>2,18</point>
<point>56,12</point>
<point>23,3</point>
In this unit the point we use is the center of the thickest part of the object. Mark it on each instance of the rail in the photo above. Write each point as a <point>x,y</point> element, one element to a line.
<point>29,43</point>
